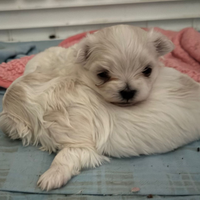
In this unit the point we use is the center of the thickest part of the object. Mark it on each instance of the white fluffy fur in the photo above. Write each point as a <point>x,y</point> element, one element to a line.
<point>62,104</point>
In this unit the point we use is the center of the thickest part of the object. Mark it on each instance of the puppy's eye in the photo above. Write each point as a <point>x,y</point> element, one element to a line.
<point>147,71</point>
<point>103,75</point>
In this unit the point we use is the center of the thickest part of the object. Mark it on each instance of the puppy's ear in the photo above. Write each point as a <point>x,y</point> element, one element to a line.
<point>160,42</point>
<point>84,49</point>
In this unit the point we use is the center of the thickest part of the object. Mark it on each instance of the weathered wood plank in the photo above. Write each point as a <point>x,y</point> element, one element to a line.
<point>23,196</point>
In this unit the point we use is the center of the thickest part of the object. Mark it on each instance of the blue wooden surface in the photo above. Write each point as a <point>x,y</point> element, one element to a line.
<point>172,174</point>
<point>22,196</point>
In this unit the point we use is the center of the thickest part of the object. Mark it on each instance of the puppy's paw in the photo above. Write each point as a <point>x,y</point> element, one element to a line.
<point>54,177</point>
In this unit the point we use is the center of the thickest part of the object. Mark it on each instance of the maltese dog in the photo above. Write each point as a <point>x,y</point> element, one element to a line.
<point>108,95</point>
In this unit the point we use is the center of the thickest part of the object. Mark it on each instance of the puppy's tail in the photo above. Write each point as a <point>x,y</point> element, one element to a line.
<point>14,128</point>
<point>13,119</point>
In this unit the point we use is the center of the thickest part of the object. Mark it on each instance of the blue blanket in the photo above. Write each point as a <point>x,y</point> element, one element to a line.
<point>171,175</point>
<point>10,51</point>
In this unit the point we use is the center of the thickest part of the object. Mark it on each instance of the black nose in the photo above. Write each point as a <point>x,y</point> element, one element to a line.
<point>127,94</point>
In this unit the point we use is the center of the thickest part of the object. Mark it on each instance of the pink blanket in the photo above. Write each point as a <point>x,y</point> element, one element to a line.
<point>185,57</point>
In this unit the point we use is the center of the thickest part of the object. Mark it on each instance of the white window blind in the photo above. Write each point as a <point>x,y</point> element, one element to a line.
<point>32,20</point>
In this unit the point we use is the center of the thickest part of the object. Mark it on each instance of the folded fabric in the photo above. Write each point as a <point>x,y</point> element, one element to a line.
<point>7,53</point>
<point>185,57</point>
<point>12,70</point>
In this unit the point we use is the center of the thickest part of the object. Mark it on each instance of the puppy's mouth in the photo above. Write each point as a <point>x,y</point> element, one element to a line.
<point>123,104</point>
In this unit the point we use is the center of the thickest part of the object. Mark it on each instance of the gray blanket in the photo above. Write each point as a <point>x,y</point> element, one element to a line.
<point>10,51</point>
<point>172,174</point>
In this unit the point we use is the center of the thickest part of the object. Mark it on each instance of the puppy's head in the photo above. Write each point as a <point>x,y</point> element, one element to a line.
<point>121,62</point>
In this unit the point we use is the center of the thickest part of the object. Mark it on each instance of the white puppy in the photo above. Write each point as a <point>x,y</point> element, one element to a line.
<point>107,95</point>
